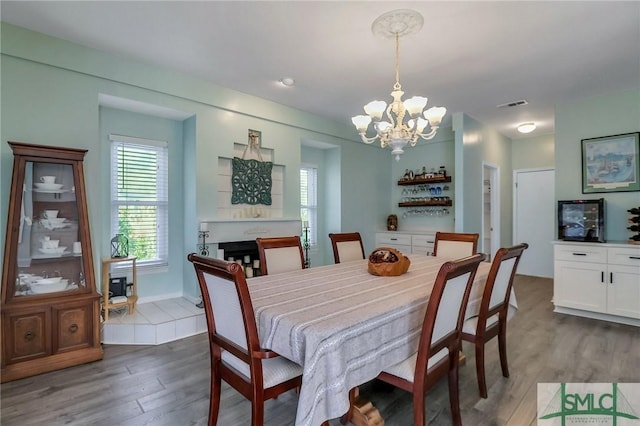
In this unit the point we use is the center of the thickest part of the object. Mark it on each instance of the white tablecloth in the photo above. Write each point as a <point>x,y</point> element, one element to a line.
<point>344,325</point>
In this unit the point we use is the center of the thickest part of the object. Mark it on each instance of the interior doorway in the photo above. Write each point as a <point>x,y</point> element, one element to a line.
<point>534,219</point>
<point>490,210</point>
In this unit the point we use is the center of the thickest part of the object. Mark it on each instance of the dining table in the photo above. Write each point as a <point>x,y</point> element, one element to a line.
<point>344,325</point>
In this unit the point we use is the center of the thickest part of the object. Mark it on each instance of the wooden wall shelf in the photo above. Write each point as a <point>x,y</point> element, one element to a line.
<point>422,181</point>
<point>426,204</point>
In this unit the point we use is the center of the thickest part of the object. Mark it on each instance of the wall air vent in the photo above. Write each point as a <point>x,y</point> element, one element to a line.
<point>513,104</point>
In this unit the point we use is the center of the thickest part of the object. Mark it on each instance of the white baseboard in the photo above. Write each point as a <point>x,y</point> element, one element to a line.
<point>149,299</point>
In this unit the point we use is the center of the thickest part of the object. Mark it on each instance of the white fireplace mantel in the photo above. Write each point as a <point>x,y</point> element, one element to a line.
<point>228,230</point>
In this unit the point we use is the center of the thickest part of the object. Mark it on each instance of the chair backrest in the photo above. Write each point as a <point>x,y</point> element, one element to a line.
<point>497,289</point>
<point>445,311</point>
<point>455,245</point>
<point>225,296</point>
<point>347,246</point>
<point>280,254</point>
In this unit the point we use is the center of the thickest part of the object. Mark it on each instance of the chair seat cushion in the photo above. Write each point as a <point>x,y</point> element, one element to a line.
<point>406,369</point>
<point>274,370</point>
<point>471,325</point>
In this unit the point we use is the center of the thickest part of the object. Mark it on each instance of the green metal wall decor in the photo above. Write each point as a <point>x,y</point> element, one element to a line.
<point>251,179</point>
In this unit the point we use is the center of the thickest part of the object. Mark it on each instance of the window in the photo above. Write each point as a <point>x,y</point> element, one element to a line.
<point>309,200</point>
<point>139,197</point>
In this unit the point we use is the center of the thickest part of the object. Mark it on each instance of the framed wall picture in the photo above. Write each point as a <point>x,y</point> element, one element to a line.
<point>611,163</point>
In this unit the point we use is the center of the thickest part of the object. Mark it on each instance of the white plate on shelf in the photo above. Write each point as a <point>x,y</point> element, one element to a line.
<point>48,186</point>
<point>45,281</point>
<point>55,220</point>
<point>58,251</point>
<point>55,224</point>
<point>51,191</point>
<point>49,288</point>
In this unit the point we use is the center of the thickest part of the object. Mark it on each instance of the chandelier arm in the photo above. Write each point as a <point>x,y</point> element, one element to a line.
<point>367,140</point>
<point>430,135</point>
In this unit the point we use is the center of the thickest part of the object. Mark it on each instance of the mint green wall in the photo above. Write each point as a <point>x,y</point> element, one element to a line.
<point>477,143</point>
<point>113,121</point>
<point>533,152</point>
<point>430,154</point>
<point>612,114</point>
<point>50,91</point>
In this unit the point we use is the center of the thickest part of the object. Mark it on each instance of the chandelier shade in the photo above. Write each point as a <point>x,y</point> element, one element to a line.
<point>405,122</point>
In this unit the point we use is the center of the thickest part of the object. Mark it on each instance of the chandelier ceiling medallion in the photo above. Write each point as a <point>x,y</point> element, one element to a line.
<point>403,124</point>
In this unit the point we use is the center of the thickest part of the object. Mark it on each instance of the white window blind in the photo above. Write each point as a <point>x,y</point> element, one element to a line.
<point>309,200</point>
<point>139,197</point>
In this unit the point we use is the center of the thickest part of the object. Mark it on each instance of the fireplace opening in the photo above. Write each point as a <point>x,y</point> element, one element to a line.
<point>244,253</point>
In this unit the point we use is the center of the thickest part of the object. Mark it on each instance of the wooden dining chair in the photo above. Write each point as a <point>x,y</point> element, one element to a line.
<point>455,245</point>
<point>491,320</point>
<point>280,254</point>
<point>347,246</point>
<point>236,355</point>
<point>439,345</point>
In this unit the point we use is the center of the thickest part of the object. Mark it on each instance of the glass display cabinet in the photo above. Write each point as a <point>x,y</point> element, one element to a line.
<point>50,306</point>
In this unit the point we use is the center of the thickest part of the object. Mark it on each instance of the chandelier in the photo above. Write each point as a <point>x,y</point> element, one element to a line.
<point>404,123</point>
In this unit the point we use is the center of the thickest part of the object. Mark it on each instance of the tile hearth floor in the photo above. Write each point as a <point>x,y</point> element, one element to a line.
<point>154,323</point>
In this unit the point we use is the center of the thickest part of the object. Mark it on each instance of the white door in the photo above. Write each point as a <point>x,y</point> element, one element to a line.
<point>534,219</point>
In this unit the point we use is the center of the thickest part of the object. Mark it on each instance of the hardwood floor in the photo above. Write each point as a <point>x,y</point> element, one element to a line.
<point>168,384</point>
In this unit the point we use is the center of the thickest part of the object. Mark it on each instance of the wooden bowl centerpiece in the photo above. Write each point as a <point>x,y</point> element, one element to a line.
<point>388,262</point>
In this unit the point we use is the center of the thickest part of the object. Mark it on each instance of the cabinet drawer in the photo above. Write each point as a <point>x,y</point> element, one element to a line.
<point>624,256</point>
<point>581,253</point>
<point>423,240</point>
<point>72,326</point>
<point>389,239</point>
<point>26,335</point>
<point>422,244</point>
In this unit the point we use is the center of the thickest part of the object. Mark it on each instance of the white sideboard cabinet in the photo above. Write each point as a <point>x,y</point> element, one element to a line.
<point>407,242</point>
<point>599,281</point>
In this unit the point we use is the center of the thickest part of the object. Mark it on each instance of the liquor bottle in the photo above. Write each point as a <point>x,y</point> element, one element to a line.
<point>635,219</point>
<point>634,228</point>
<point>634,210</point>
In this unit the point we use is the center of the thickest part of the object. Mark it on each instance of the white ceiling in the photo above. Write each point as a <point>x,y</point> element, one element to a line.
<point>469,56</point>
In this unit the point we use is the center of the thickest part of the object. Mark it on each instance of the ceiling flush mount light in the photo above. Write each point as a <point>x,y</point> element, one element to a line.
<point>287,81</point>
<point>526,127</point>
<point>402,124</point>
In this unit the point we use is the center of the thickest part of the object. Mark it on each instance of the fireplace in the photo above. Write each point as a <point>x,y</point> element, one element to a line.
<point>236,239</point>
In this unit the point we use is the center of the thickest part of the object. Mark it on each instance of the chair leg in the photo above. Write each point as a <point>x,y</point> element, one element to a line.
<point>257,413</point>
<point>454,399</point>
<point>482,382</point>
<point>418,407</point>
<point>214,402</point>
<point>502,346</point>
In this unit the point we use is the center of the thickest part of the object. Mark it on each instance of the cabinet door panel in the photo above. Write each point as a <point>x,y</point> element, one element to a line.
<point>422,244</point>
<point>26,336</point>
<point>623,291</point>
<point>579,285</point>
<point>72,327</point>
